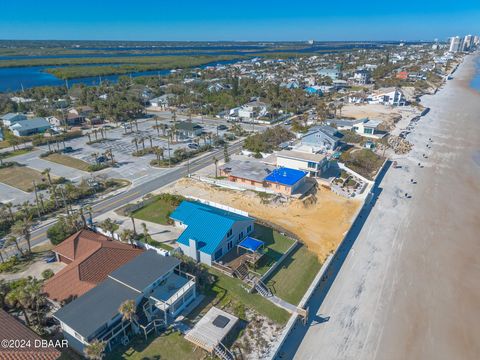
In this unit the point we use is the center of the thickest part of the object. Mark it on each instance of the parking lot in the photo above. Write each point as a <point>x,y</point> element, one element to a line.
<point>121,143</point>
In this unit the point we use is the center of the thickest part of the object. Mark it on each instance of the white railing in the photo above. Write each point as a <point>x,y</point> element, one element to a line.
<point>165,305</point>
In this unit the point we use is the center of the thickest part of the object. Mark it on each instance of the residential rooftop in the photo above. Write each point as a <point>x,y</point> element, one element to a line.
<point>300,155</point>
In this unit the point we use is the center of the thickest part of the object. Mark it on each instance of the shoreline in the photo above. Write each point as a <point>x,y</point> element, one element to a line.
<point>408,288</point>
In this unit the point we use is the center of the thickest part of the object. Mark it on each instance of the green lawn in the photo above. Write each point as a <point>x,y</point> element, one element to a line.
<point>169,345</point>
<point>17,152</point>
<point>276,245</point>
<point>293,277</point>
<point>227,290</point>
<point>158,211</point>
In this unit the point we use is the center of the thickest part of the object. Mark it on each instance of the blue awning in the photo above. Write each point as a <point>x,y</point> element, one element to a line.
<point>251,244</point>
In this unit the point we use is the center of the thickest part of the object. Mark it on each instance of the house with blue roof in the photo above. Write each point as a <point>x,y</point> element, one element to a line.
<point>30,127</point>
<point>209,232</point>
<point>11,118</point>
<point>285,180</point>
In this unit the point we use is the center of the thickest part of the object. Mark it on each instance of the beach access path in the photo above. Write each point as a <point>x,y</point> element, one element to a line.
<point>406,283</point>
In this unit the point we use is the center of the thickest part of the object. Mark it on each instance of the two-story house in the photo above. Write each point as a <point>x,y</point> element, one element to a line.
<point>155,283</point>
<point>210,232</point>
<point>314,164</point>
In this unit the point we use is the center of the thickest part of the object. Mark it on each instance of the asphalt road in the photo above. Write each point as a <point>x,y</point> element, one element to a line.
<point>39,235</point>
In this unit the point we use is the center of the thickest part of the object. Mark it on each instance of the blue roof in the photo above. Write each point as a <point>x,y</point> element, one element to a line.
<point>285,176</point>
<point>251,243</point>
<point>206,224</point>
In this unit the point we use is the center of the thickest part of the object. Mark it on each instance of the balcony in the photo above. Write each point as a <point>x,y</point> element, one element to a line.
<point>174,288</point>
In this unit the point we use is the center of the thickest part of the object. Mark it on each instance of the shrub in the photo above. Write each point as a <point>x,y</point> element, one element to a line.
<point>47,274</point>
<point>9,264</point>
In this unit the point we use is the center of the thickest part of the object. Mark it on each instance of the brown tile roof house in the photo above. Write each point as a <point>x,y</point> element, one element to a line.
<point>12,329</point>
<point>91,257</point>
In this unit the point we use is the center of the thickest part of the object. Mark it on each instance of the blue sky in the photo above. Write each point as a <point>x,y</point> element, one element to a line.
<point>238,20</point>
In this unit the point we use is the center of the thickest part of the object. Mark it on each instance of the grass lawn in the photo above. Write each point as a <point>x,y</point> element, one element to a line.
<point>276,245</point>
<point>157,211</point>
<point>17,152</point>
<point>227,290</point>
<point>20,177</point>
<point>168,345</point>
<point>293,277</point>
<point>68,161</point>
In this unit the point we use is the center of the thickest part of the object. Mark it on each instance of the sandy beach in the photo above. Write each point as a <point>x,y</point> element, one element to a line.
<point>409,287</point>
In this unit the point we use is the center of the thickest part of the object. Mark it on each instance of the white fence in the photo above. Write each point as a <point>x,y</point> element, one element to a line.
<point>231,185</point>
<point>219,206</point>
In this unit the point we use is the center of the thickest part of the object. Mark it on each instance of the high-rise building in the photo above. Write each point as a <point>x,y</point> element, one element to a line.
<point>467,42</point>
<point>455,44</point>
<point>476,40</point>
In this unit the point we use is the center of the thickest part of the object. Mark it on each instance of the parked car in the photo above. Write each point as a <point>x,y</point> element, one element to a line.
<point>193,146</point>
<point>222,127</point>
<point>101,159</point>
<point>68,149</point>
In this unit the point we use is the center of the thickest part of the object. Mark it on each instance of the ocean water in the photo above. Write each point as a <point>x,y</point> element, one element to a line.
<point>475,83</point>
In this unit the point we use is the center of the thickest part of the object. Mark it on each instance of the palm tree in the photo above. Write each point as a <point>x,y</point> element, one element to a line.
<point>146,235</point>
<point>150,138</point>
<point>95,350</point>
<point>13,240</point>
<point>127,309</point>
<point>46,172</point>
<point>215,161</point>
<point>18,298</point>
<point>127,236</point>
<point>158,152</point>
<point>9,206</point>
<point>22,227</point>
<point>133,224</point>
<point>109,226</point>
<point>135,141</point>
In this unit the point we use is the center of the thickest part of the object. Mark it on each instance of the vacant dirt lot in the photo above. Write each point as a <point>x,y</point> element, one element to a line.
<point>387,114</point>
<point>21,177</point>
<point>320,224</point>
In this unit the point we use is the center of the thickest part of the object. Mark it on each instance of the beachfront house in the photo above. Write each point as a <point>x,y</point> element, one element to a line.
<point>256,175</point>
<point>209,232</point>
<point>159,289</point>
<point>89,257</point>
<point>30,127</point>
<point>321,138</point>
<point>311,163</point>
<point>387,96</point>
<point>365,127</point>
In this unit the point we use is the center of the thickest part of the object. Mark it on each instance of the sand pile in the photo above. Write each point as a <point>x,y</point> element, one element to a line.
<point>320,220</point>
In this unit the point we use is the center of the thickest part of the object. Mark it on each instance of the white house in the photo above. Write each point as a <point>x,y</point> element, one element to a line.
<point>387,96</point>
<point>313,164</point>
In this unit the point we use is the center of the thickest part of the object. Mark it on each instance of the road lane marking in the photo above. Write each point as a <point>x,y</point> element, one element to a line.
<point>117,201</point>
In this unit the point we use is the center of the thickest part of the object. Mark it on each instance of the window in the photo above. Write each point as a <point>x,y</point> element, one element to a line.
<point>240,236</point>
<point>249,228</point>
<point>229,245</point>
<point>218,254</point>
<point>312,165</point>
<point>229,233</point>
<point>368,131</point>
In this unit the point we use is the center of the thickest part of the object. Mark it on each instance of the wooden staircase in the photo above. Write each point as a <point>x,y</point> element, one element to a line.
<point>242,271</point>
<point>223,353</point>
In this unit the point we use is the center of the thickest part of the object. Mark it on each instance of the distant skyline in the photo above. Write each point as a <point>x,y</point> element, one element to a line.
<point>246,20</point>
